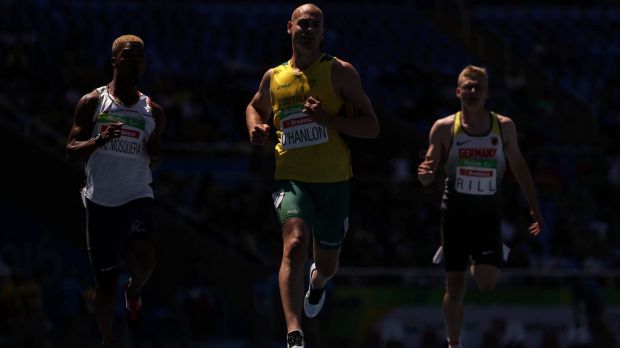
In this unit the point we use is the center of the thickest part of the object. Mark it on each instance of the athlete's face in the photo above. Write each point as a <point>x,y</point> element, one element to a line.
<point>472,92</point>
<point>129,62</point>
<point>306,28</point>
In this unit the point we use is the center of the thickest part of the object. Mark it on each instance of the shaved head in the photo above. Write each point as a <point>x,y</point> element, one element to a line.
<point>306,29</point>
<point>306,8</point>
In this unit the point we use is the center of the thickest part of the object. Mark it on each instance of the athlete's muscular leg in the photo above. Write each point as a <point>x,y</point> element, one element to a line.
<point>485,276</point>
<point>105,301</point>
<point>295,236</point>
<point>141,263</point>
<point>103,247</point>
<point>456,285</point>
<point>327,261</point>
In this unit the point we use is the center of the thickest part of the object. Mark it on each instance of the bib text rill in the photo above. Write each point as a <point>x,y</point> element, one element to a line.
<point>476,184</point>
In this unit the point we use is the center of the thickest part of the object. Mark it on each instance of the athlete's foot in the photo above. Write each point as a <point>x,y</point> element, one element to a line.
<point>314,299</point>
<point>454,344</point>
<point>295,339</point>
<point>133,309</point>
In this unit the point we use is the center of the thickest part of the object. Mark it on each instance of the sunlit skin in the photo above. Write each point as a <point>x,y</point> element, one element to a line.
<point>129,63</point>
<point>307,30</point>
<point>129,67</point>
<point>472,92</point>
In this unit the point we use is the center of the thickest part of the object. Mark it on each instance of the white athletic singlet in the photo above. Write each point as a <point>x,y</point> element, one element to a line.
<point>475,163</point>
<point>118,171</point>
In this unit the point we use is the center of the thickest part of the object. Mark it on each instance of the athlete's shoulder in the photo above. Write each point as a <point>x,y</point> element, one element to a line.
<point>446,121</point>
<point>327,58</point>
<point>90,99</point>
<point>344,71</point>
<point>504,121</point>
<point>282,66</point>
<point>340,63</point>
<point>271,71</point>
<point>156,107</point>
<point>507,128</point>
<point>500,117</point>
<point>95,94</point>
<point>87,105</point>
<point>269,74</point>
<point>275,71</point>
<point>442,129</point>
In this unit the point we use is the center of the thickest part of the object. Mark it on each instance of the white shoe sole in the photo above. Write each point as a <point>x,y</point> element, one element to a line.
<point>311,310</point>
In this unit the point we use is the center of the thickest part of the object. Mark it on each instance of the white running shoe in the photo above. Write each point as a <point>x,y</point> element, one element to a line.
<point>314,299</point>
<point>295,339</point>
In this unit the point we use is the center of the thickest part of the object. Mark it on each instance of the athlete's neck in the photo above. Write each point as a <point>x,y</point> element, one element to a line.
<point>124,92</point>
<point>301,61</point>
<point>474,115</point>
<point>475,119</point>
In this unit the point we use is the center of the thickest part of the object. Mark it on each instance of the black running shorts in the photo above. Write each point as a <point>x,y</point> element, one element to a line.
<point>109,228</point>
<point>470,238</point>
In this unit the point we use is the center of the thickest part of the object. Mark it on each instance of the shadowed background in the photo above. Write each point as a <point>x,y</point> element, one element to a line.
<point>553,68</point>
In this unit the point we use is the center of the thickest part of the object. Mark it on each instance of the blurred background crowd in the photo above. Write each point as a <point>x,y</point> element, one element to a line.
<point>553,68</point>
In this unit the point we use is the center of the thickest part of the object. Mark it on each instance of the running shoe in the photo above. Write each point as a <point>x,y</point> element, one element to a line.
<point>295,339</point>
<point>314,299</point>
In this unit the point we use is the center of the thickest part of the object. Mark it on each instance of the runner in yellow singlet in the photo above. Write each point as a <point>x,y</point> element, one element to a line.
<point>305,95</point>
<point>474,145</point>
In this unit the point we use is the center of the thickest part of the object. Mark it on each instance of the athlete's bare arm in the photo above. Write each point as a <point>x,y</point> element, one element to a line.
<point>258,112</point>
<point>439,141</point>
<point>154,143</point>
<point>521,171</point>
<point>348,86</point>
<point>80,145</point>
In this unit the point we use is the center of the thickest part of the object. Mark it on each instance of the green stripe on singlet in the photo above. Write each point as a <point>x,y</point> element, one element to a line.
<point>480,163</point>
<point>293,109</point>
<point>129,121</point>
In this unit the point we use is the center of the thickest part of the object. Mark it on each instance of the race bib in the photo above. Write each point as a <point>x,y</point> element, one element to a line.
<point>299,130</point>
<point>128,145</point>
<point>476,179</point>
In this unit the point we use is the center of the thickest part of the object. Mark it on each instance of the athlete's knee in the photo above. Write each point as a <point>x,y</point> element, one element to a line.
<point>295,249</point>
<point>486,284</point>
<point>485,277</point>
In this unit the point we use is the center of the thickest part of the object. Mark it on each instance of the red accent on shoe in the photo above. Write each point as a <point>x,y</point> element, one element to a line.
<point>134,304</point>
<point>133,307</point>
